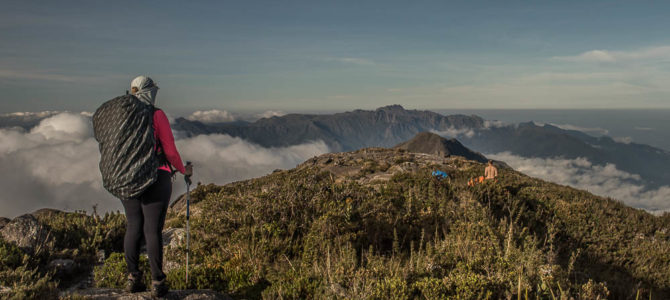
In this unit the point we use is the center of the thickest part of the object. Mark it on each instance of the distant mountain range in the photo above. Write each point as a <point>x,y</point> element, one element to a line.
<point>25,120</point>
<point>390,125</point>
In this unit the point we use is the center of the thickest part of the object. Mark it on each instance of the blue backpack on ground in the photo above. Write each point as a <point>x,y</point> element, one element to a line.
<point>439,174</point>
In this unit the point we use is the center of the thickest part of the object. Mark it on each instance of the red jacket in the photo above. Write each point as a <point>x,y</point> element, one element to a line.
<point>163,133</point>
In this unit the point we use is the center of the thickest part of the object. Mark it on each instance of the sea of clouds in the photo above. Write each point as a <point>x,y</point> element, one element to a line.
<point>55,164</point>
<point>603,180</point>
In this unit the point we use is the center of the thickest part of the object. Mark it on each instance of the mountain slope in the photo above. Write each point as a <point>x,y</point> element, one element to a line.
<point>390,125</point>
<point>430,143</point>
<point>374,223</point>
<point>341,131</point>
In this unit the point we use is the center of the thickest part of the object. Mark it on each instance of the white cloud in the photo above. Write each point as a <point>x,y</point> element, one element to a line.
<point>270,114</point>
<point>590,56</point>
<point>221,158</point>
<point>55,164</point>
<point>623,139</point>
<point>352,60</point>
<point>28,114</point>
<point>494,124</point>
<point>212,116</point>
<point>650,53</point>
<point>29,119</point>
<point>64,127</point>
<point>640,74</point>
<point>603,180</point>
<point>453,132</point>
<point>596,130</point>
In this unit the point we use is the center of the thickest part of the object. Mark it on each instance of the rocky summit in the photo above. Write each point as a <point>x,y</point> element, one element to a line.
<point>431,143</point>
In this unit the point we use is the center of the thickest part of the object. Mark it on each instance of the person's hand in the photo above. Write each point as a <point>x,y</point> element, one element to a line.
<point>189,170</point>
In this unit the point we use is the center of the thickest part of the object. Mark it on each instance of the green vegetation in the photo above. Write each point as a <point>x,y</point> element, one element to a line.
<point>76,236</point>
<point>301,234</point>
<point>17,272</point>
<point>312,233</point>
<point>113,272</point>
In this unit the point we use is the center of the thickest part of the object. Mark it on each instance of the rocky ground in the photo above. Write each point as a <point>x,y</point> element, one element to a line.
<point>104,294</point>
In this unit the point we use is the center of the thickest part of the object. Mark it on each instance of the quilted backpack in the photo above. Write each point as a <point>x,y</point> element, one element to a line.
<point>123,128</point>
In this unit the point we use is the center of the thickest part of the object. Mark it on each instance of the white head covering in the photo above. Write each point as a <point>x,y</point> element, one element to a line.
<point>146,89</point>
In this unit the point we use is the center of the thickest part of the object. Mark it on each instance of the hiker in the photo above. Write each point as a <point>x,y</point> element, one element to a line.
<point>491,172</point>
<point>145,194</point>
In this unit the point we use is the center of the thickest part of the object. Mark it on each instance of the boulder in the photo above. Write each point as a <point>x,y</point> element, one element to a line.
<point>28,234</point>
<point>104,294</point>
<point>173,237</point>
<point>63,267</point>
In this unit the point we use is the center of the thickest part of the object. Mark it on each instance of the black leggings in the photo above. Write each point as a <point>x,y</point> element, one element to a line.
<point>146,216</point>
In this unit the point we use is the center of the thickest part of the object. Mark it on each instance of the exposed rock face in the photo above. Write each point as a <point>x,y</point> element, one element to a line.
<point>173,237</point>
<point>27,233</point>
<point>430,143</point>
<point>179,204</point>
<point>105,294</point>
<point>383,127</point>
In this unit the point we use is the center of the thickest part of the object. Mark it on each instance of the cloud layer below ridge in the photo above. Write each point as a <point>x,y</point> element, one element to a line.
<point>603,180</point>
<point>55,164</point>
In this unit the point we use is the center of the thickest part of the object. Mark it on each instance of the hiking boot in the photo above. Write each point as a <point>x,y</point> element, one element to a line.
<point>135,284</point>
<point>159,288</point>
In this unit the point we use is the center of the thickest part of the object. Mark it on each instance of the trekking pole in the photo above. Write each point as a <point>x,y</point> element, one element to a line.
<point>187,178</point>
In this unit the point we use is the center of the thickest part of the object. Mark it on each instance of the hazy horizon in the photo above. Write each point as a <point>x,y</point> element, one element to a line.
<point>303,55</point>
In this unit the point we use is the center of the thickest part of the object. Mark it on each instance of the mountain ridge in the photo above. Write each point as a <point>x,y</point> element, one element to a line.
<point>374,223</point>
<point>386,199</point>
<point>391,125</point>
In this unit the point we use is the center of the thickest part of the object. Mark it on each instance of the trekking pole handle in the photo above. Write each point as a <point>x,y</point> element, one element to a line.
<point>187,178</point>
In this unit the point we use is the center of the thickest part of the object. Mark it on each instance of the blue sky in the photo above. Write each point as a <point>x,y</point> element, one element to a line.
<point>336,55</point>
